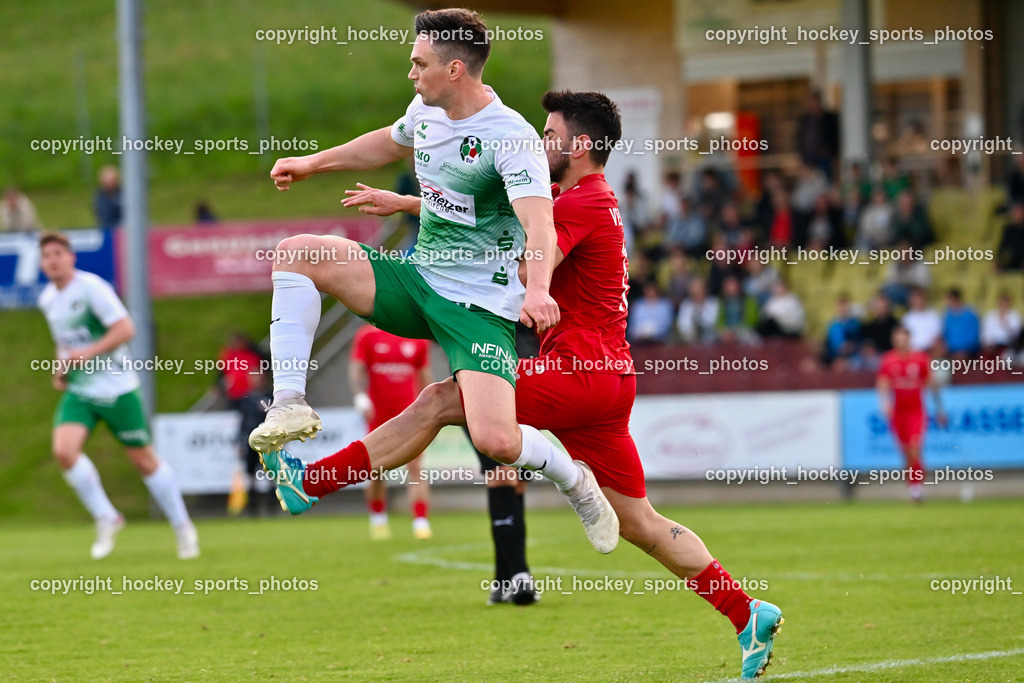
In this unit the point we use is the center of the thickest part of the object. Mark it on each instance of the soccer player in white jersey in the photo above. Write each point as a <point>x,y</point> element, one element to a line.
<point>91,328</point>
<point>485,197</point>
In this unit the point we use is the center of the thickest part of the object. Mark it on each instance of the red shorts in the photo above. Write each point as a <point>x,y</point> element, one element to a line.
<point>908,426</point>
<point>589,413</point>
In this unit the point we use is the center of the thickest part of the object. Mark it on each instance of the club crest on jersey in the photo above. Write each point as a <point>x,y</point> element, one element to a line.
<point>408,349</point>
<point>471,149</point>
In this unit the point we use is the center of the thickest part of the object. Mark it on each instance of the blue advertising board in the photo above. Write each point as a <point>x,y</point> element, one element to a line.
<point>985,430</point>
<point>20,277</point>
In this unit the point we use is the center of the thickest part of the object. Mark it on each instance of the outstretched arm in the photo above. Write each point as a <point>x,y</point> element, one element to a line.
<point>366,152</point>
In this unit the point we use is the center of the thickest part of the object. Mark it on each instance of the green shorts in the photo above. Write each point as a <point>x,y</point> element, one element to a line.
<point>472,337</point>
<point>124,415</point>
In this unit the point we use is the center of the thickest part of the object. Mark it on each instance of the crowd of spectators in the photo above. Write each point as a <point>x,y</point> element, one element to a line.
<point>683,290</point>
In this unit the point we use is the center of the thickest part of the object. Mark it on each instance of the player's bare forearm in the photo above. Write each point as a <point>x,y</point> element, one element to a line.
<point>365,153</point>
<point>539,310</point>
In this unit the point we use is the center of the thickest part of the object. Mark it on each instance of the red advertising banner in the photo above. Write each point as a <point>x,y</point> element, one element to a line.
<point>230,257</point>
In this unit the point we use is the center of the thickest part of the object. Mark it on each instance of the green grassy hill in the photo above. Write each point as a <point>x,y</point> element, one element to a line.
<point>205,72</point>
<point>205,75</point>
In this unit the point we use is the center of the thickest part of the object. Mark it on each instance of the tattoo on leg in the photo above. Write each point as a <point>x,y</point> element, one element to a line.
<point>676,532</point>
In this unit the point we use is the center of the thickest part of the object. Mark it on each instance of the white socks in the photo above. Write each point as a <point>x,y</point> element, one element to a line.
<point>541,455</point>
<point>294,315</point>
<point>85,480</point>
<point>164,489</point>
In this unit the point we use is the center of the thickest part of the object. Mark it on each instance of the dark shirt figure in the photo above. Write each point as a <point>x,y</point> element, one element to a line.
<point>909,222</point>
<point>877,330</point>
<point>107,203</point>
<point>1010,255</point>
<point>818,135</point>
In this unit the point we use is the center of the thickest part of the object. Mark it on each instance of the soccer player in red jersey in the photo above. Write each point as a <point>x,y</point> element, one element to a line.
<point>386,374</point>
<point>582,385</point>
<point>902,377</point>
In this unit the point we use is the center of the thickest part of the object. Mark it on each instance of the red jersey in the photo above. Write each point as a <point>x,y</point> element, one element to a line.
<point>393,364</point>
<point>908,376</point>
<point>591,283</point>
<point>239,364</point>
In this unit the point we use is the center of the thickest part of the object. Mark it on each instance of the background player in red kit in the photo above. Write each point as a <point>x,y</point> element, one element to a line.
<point>386,373</point>
<point>902,377</point>
<point>582,385</point>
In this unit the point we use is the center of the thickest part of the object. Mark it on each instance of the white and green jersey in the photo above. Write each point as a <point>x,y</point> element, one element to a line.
<point>78,316</point>
<point>470,171</point>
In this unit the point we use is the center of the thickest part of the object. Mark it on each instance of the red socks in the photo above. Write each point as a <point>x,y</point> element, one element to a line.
<point>350,465</point>
<point>378,506</point>
<point>419,509</point>
<point>726,595</point>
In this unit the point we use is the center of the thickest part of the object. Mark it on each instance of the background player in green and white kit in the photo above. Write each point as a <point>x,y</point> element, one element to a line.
<point>91,328</point>
<point>485,183</point>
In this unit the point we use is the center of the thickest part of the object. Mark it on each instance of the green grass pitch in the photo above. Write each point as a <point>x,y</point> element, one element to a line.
<point>854,583</point>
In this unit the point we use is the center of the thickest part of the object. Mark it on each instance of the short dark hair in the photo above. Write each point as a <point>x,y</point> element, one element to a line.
<point>456,33</point>
<point>588,113</point>
<point>54,237</point>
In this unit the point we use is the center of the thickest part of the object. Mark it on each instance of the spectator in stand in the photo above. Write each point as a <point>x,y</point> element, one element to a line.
<point>205,214</point>
<point>17,212</point>
<point>650,317</point>
<point>671,192</point>
<point>904,274</point>
<point>842,341</point>
<point>641,271</point>
<point>877,329</point>
<point>698,315</point>
<point>875,229</point>
<point>823,228</point>
<point>894,181</point>
<point>760,281</point>
<point>771,182</point>
<point>851,210</point>
<point>687,230</point>
<point>731,225</point>
<point>1015,180</point>
<point>677,277</point>
<point>711,192</point>
<point>780,232</point>
<point>721,266</point>
<point>818,135</point>
<point>635,217</point>
<point>782,315</point>
<point>1001,327</point>
<point>923,323</point>
<point>811,185</point>
<point>961,330</point>
<point>737,314</point>
<point>910,223</point>
<point>1010,254</point>
<point>856,182</point>
<point>107,203</point>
